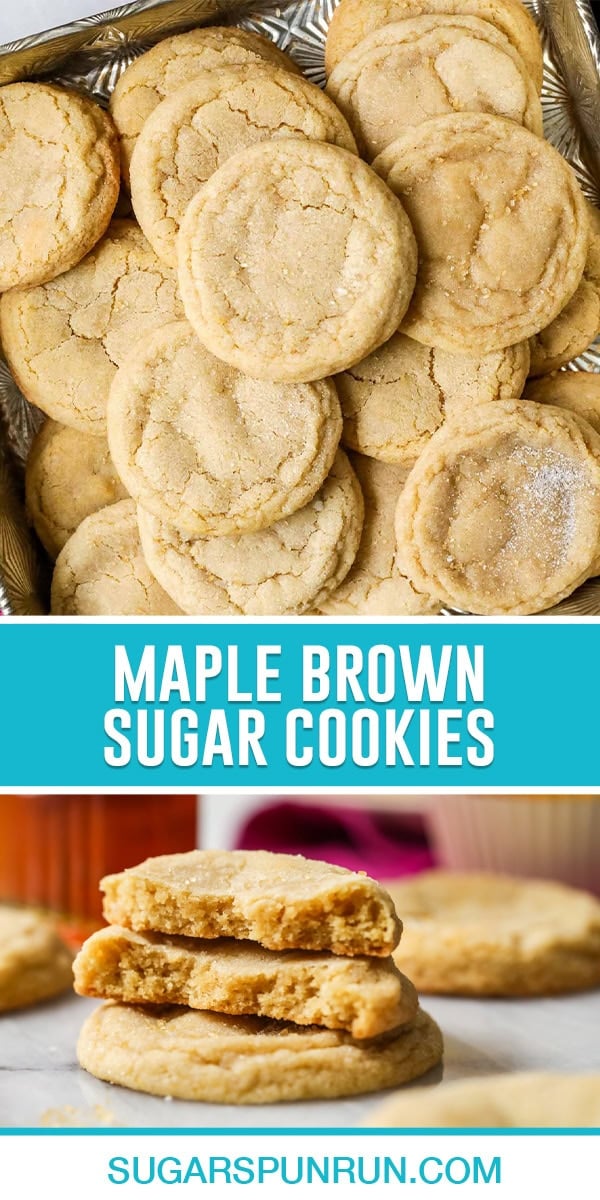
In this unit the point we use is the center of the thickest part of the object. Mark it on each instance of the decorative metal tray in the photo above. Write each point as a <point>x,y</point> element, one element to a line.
<point>91,54</point>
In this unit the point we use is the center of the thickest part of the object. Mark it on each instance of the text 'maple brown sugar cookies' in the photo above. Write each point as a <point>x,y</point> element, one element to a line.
<point>501,225</point>
<point>35,964</point>
<point>534,1100</point>
<point>294,261</point>
<point>576,391</point>
<point>59,180</point>
<point>578,324</point>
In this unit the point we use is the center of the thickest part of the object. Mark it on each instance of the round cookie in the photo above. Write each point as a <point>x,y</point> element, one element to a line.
<point>59,181</point>
<point>34,962</point>
<point>194,131</point>
<point>530,1099</point>
<point>69,475</point>
<point>501,514</point>
<point>353,20</point>
<point>501,225</point>
<point>490,935</point>
<point>578,325</point>
<point>295,261</point>
<point>101,570</point>
<point>193,1055</point>
<point>395,399</point>
<point>406,72</point>
<point>210,450</point>
<point>64,340</point>
<point>374,586</point>
<point>284,569</point>
<point>175,61</point>
<point>577,391</point>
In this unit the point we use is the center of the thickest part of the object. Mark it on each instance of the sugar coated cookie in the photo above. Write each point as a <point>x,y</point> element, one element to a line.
<point>533,1100</point>
<point>577,326</point>
<point>577,391</point>
<point>34,963</point>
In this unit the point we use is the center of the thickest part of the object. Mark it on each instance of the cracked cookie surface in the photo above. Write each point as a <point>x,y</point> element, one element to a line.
<point>294,260</point>
<point>65,340</point>
<point>578,325</point>
<point>34,962</point>
<point>577,391</point>
<point>59,181</point>
<point>501,225</point>
<point>210,450</point>
<point>281,570</point>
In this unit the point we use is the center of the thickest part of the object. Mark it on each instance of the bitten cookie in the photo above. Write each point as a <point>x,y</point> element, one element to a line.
<point>294,261</point>
<point>65,340</point>
<point>194,131</point>
<point>34,963</point>
<point>577,326</point>
<point>577,391</point>
<point>210,450</point>
<point>59,181</point>
<point>247,1060</point>
<point>501,225</point>
<point>529,1100</point>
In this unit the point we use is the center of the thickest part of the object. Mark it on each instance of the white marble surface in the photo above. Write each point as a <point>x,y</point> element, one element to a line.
<point>40,1082</point>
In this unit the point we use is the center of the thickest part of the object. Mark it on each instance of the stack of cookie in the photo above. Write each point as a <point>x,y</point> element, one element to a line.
<point>248,978</point>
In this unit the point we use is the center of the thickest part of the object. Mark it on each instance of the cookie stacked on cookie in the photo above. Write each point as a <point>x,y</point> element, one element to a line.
<point>250,977</point>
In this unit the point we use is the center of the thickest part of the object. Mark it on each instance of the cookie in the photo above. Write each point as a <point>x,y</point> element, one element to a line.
<point>374,586</point>
<point>577,391</point>
<point>353,20</point>
<point>364,996</point>
<point>281,570</point>
<point>501,514</point>
<point>59,181</point>
<point>65,340</point>
<point>283,901</point>
<point>578,325</point>
<point>194,131</point>
<point>247,1060</point>
<point>101,571</point>
<point>523,1100</point>
<point>395,399</point>
<point>69,475</point>
<point>210,450</point>
<point>295,261</point>
<point>408,71</point>
<point>175,61</point>
<point>490,935</point>
<point>34,963</point>
<point>501,225</point>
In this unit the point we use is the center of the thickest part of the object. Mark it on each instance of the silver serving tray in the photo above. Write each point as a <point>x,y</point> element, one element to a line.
<point>91,54</point>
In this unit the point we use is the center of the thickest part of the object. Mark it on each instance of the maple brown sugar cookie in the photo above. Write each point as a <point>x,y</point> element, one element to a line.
<point>35,963</point>
<point>578,324</point>
<point>535,1099</point>
<point>577,391</point>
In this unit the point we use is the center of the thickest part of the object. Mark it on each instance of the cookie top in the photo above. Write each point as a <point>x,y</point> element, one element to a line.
<point>69,475</point>
<point>480,934</point>
<point>374,586</point>
<point>64,340</point>
<point>578,325</point>
<point>531,1099</point>
<point>175,61</point>
<point>59,180</point>
<point>295,261</point>
<point>577,391</point>
<point>194,131</point>
<point>101,571</point>
<point>501,514</point>
<point>283,901</point>
<point>194,1055</point>
<point>501,225</point>
<point>408,71</point>
<point>395,399</point>
<point>284,569</point>
<point>213,451</point>
<point>34,962</point>
<point>353,20</point>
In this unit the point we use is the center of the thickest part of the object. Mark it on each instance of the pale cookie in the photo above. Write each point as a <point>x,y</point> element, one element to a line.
<point>101,570</point>
<point>535,1100</point>
<point>374,586</point>
<point>490,935</point>
<point>578,325</point>
<point>247,1060</point>
<point>353,20</point>
<point>174,62</point>
<point>577,391</point>
<point>69,475</point>
<point>365,996</point>
<point>59,180</point>
<point>34,963</point>
<point>501,225</point>
<point>283,901</point>
<point>65,340</point>
<point>501,514</point>
<point>395,399</point>
<point>210,450</point>
<point>406,72</point>
<point>285,569</point>
<point>295,261</point>
<point>194,131</point>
